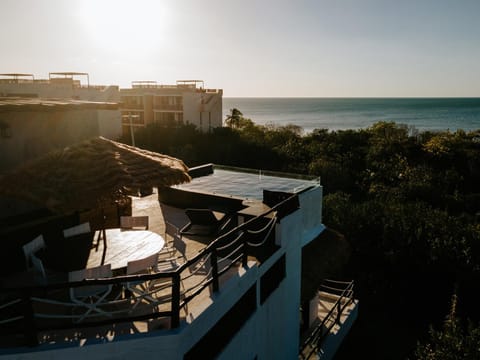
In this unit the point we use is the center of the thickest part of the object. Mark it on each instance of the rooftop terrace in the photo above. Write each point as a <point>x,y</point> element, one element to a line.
<point>202,268</point>
<point>248,183</point>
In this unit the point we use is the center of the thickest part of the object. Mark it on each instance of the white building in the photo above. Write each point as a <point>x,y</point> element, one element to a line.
<point>66,85</point>
<point>187,102</point>
<point>235,296</point>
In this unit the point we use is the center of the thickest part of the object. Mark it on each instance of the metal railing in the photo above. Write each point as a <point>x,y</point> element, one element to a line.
<point>31,304</point>
<point>344,290</point>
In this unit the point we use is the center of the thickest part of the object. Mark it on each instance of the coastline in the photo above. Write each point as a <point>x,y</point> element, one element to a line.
<point>422,113</point>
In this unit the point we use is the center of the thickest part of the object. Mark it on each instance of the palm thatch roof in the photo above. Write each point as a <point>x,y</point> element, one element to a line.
<point>85,174</point>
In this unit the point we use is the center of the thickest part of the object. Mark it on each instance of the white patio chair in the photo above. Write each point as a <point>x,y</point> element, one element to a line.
<point>171,231</point>
<point>134,222</point>
<point>77,230</point>
<point>172,256</point>
<point>90,296</point>
<point>32,261</point>
<point>142,289</point>
<point>38,267</point>
<point>30,248</point>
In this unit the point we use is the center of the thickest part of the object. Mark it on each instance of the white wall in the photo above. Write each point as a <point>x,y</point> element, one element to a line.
<point>110,124</point>
<point>311,209</point>
<point>210,113</point>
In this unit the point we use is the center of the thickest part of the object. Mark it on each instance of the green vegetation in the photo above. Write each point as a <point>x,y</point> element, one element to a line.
<point>453,342</point>
<point>407,202</point>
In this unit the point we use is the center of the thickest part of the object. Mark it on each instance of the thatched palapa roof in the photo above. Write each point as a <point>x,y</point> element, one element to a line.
<point>83,175</point>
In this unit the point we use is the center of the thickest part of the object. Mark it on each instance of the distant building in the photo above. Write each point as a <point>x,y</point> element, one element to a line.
<point>187,102</point>
<point>65,85</point>
<point>30,127</point>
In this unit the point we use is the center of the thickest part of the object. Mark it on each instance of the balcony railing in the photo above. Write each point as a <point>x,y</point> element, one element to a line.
<point>344,292</point>
<point>34,312</point>
<point>127,106</point>
<point>168,107</point>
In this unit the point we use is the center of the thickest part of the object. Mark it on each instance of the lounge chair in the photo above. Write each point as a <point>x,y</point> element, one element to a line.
<point>203,222</point>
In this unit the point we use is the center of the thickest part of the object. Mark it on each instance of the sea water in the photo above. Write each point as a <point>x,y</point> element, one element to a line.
<point>355,113</point>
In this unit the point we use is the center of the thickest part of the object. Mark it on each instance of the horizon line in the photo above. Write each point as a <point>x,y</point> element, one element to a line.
<point>354,97</point>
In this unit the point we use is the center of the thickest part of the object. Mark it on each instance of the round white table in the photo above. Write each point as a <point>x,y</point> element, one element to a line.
<point>124,246</point>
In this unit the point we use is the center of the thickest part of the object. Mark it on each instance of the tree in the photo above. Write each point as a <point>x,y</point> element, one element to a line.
<point>234,118</point>
<point>452,342</point>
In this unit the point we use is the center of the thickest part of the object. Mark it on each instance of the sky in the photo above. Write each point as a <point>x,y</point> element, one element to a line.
<point>270,48</point>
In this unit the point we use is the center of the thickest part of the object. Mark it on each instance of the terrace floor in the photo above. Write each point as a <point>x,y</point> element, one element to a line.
<point>191,279</point>
<point>149,205</point>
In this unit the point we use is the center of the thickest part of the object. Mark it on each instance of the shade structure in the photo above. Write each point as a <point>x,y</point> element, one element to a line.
<point>84,175</point>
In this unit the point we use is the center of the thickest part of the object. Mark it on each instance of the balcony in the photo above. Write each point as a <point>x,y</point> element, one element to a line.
<point>127,106</point>
<point>168,107</point>
<point>42,314</point>
<point>204,270</point>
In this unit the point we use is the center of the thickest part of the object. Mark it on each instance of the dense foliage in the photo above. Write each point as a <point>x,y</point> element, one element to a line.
<point>454,341</point>
<point>407,201</point>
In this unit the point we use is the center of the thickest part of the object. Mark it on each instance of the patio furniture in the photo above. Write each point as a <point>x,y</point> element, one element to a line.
<point>77,230</point>
<point>30,248</point>
<point>171,230</point>
<point>142,289</point>
<point>38,267</point>
<point>171,257</point>
<point>172,237</point>
<point>134,222</point>
<point>203,222</point>
<point>72,252</point>
<point>124,246</point>
<point>90,297</point>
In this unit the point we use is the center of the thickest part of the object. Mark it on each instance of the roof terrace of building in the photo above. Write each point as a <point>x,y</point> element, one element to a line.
<point>16,78</point>
<point>54,78</point>
<point>39,104</point>
<point>190,289</point>
<point>181,85</point>
<point>244,183</point>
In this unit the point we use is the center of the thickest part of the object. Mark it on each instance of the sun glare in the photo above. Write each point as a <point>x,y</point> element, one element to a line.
<point>122,25</point>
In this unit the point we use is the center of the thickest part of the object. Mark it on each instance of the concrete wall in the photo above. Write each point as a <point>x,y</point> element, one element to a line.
<point>109,124</point>
<point>61,91</point>
<point>311,209</point>
<point>109,121</point>
<point>34,133</point>
<point>204,115</point>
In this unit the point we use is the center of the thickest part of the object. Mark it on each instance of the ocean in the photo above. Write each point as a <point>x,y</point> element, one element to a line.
<point>355,113</point>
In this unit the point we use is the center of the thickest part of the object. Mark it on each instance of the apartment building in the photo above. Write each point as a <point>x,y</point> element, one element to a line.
<point>187,102</point>
<point>68,86</point>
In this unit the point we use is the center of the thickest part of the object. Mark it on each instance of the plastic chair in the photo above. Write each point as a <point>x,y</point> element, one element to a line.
<point>172,231</point>
<point>38,267</point>
<point>30,248</point>
<point>134,222</point>
<point>142,289</point>
<point>73,253</point>
<point>77,230</point>
<point>90,296</point>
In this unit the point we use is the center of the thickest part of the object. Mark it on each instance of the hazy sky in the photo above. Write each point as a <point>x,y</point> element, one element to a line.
<point>253,48</point>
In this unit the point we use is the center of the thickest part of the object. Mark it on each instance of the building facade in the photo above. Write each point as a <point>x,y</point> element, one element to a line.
<point>187,102</point>
<point>66,85</point>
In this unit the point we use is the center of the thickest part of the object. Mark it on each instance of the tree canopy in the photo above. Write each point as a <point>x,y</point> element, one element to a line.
<point>407,202</point>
